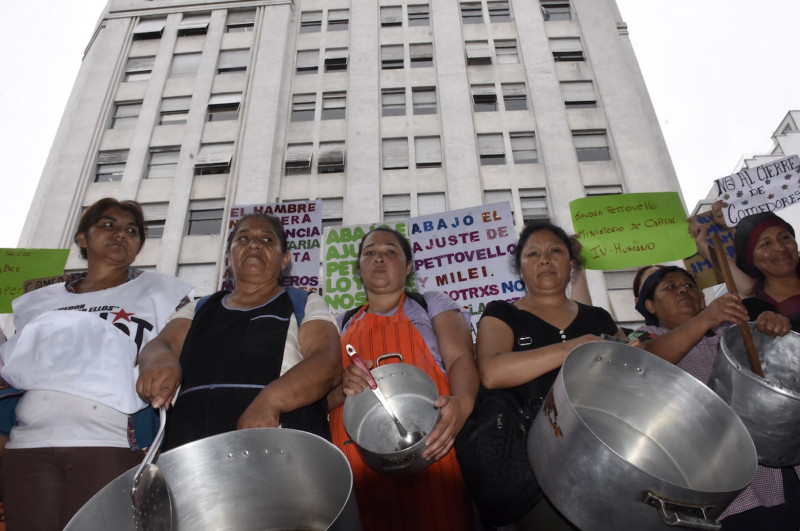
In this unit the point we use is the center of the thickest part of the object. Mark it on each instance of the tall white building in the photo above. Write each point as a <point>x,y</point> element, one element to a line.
<point>381,108</point>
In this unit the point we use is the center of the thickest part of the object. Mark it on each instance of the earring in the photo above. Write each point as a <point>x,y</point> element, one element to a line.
<point>571,273</point>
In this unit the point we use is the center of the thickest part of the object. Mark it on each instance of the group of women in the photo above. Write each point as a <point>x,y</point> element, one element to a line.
<point>262,355</point>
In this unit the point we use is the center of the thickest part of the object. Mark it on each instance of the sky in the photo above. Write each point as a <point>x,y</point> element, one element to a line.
<point>721,74</point>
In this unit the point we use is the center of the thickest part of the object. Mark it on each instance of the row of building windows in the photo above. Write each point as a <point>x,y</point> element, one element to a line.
<point>197,24</point>
<point>224,107</point>
<point>187,64</point>
<point>215,158</point>
<point>419,55</point>
<point>299,158</point>
<point>205,217</point>
<point>304,106</point>
<point>415,15</point>
<point>393,101</point>
<point>162,162</point>
<point>337,20</point>
<point>175,110</point>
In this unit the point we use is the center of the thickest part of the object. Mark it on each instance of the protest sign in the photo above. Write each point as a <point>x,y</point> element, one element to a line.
<point>302,221</point>
<point>766,188</point>
<point>342,289</point>
<point>467,254</point>
<point>703,270</point>
<point>629,230</point>
<point>19,265</point>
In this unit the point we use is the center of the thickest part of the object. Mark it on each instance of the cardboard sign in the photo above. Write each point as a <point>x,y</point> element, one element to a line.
<point>302,221</point>
<point>19,265</point>
<point>630,230</point>
<point>766,188</point>
<point>704,271</point>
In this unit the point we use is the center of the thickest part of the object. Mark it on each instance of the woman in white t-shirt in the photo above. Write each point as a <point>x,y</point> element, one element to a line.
<point>80,423</point>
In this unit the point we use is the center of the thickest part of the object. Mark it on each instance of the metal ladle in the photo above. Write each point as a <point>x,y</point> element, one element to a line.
<point>152,506</point>
<point>407,439</point>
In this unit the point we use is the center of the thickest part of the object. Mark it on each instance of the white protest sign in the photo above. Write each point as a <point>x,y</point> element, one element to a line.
<point>467,254</point>
<point>766,188</point>
<point>302,221</point>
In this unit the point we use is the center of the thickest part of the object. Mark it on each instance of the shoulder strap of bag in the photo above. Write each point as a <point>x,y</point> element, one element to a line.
<point>299,298</point>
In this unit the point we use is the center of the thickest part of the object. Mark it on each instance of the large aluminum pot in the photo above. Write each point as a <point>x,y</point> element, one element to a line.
<point>268,478</point>
<point>411,393</point>
<point>769,406</point>
<point>626,440</point>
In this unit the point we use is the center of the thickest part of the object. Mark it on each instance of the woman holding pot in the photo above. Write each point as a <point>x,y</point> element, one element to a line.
<point>80,422</point>
<point>687,333</point>
<point>520,348</point>
<point>435,338</point>
<point>258,356</point>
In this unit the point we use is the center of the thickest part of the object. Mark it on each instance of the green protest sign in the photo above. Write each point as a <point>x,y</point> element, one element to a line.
<point>19,265</point>
<point>630,230</point>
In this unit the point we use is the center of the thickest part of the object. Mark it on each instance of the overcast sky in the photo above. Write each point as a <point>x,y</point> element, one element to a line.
<point>721,74</point>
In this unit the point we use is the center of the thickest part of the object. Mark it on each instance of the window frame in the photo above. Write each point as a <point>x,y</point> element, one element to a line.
<point>420,54</point>
<point>421,104</point>
<point>174,108</point>
<point>518,151</point>
<point>336,59</point>
<point>499,13</point>
<point>393,108</point>
<point>428,151</point>
<point>588,151</point>
<point>418,15</point>
<point>484,97</point>
<point>334,105</point>
<point>337,22</point>
<point>125,115</point>
<point>473,14</point>
<point>111,164</point>
<point>304,107</point>
<point>202,217</point>
<point>166,153</point>
<point>331,157</point>
<point>397,162</point>
<point>491,149</point>
<point>224,107</point>
<point>515,96</point>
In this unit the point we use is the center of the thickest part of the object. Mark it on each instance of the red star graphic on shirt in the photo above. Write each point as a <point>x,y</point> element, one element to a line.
<point>121,314</point>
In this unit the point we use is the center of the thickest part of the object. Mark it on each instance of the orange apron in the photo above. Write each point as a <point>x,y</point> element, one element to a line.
<point>433,499</point>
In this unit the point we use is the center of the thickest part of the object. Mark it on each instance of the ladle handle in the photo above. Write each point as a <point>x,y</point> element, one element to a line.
<point>747,337</point>
<point>358,361</point>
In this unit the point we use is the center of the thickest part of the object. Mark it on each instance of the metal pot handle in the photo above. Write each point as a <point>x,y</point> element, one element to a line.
<point>387,356</point>
<point>667,512</point>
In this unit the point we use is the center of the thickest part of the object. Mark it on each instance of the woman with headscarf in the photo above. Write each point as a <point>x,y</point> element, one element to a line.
<point>685,333</point>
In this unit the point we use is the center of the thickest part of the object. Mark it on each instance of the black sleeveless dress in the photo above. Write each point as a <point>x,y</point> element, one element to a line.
<point>228,357</point>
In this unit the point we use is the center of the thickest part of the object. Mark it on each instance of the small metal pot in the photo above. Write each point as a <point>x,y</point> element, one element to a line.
<point>626,440</point>
<point>769,406</point>
<point>411,393</point>
<point>265,479</point>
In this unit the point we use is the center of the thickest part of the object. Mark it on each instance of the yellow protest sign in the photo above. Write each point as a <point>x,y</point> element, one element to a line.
<point>630,230</point>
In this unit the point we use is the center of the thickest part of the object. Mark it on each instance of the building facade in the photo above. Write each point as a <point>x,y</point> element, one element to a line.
<point>382,109</point>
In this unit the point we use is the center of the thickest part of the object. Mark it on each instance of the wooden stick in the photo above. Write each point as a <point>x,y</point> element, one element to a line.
<point>749,345</point>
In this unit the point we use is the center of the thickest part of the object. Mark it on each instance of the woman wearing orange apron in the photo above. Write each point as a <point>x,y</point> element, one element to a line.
<point>434,337</point>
